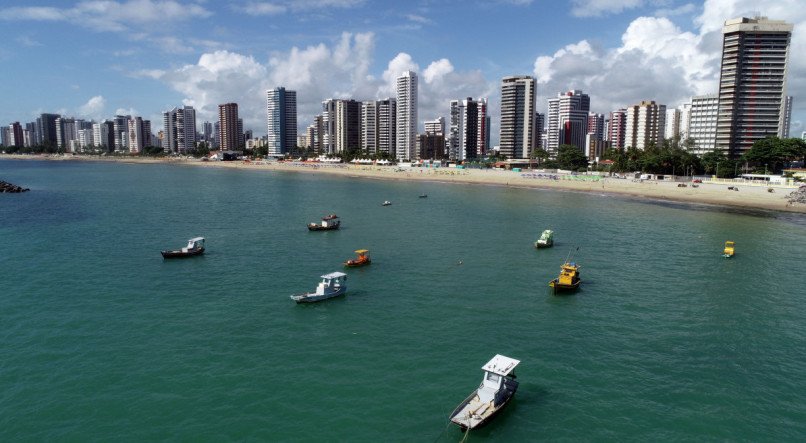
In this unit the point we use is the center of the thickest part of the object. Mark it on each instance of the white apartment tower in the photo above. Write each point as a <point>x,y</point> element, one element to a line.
<point>435,126</point>
<point>702,118</point>
<point>672,124</point>
<point>752,82</point>
<point>568,120</point>
<point>517,116</point>
<point>179,129</point>
<point>646,122</point>
<point>378,126</point>
<point>406,117</point>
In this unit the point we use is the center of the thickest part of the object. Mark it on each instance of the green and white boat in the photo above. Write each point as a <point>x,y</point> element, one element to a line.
<point>546,239</point>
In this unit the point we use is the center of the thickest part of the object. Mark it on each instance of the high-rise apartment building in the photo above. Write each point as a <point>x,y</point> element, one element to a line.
<point>103,135</point>
<point>752,82</point>
<point>139,134</point>
<point>120,132</point>
<point>228,131</point>
<point>207,132</point>
<point>179,130</point>
<point>16,137</point>
<point>468,131</point>
<point>369,127</point>
<point>595,135</point>
<point>568,120</point>
<point>341,121</point>
<point>540,130</point>
<point>702,118</point>
<point>672,129</point>
<point>46,125</point>
<point>432,144</point>
<point>281,116</point>
<point>406,117</point>
<point>646,122</point>
<point>616,130</point>
<point>517,116</point>
<point>435,126</point>
<point>596,125</point>
<point>348,126</point>
<point>5,136</point>
<point>316,134</point>
<point>378,126</point>
<point>33,134</point>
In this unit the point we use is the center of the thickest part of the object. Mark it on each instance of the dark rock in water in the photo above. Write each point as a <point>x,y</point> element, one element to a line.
<point>10,188</point>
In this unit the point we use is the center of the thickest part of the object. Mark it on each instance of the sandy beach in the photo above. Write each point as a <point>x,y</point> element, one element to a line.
<point>748,196</point>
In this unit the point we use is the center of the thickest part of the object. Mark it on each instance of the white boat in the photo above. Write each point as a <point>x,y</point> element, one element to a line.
<point>195,247</point>
<point>546,239</point>
<point>386,203</point>
<point>332,285</point>
<point>496,390</point>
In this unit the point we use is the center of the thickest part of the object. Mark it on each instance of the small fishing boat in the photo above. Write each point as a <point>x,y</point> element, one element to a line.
<point>568,280</point>
<point>386,203</point>
<point>729,249</point>
<point>332,285</point>
<point>194,247</point>
<point>546,239</point>
<point>362,259</point>
<point>328,223</point>
<point>496,390</point>
<point>423,195</point>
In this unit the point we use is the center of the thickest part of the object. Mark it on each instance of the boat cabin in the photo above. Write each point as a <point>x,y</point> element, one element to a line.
<point>729,249</point>
<point>495,372</point>
<point>194,244</point>
<point>331,282</point>
<point>568,272</point>
<point>330,220</point>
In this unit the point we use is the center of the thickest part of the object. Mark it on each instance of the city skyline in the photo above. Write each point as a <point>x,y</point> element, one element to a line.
<point>605,51</point>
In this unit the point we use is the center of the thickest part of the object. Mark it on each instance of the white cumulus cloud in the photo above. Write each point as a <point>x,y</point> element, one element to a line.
<point>317,72</point>
<point>94,108</point>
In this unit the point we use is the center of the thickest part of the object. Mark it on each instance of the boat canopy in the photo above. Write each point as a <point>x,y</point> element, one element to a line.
<point>501,365</point>
<point>333,275</point>
<point>196,239</point>
<point>361,251</point>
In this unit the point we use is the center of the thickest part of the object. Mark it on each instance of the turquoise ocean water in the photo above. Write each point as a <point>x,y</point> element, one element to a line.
<point>102,340</point>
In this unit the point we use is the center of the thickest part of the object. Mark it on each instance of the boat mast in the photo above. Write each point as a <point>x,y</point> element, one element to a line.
<point>569,256</point>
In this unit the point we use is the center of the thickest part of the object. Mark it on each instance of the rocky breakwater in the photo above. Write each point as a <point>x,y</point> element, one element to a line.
<point>9,188</point>
<point>798,196</point>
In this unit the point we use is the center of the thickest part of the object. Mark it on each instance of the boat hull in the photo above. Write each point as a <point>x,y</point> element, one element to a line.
<point>541,245</point>
<point>353,264</point>
<point>556,286</point>
<point>323,228</point>
<point>311,297</point>
<point>486,419</point>
<point>182,254</point>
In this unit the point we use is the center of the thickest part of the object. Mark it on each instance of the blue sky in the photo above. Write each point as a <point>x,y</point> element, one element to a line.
<point>97,57</point>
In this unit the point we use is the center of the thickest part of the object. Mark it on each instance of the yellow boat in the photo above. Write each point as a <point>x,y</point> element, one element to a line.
<point>728,252</point>
<point>568,280</point>
<point>362,259</point>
